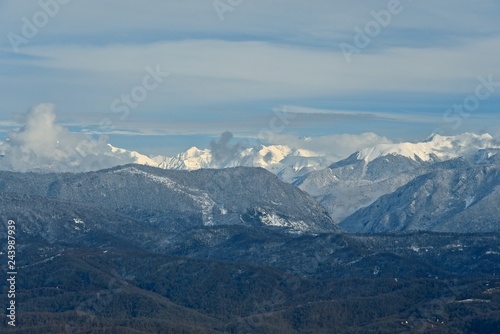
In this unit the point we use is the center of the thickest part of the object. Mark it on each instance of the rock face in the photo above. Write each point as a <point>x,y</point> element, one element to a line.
<point>169,201</point>
<point>456,196</point>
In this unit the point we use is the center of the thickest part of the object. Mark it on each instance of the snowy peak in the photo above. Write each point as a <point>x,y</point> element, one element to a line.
<point>272,155</point>
<point>290,163</point>
<point>282,160</point>
<point>435,148</point>
<point>356,182</point>
<point>193,158</point>
<point>133,156</point>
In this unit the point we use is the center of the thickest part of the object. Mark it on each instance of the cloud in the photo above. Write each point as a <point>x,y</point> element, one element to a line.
<point>44,145</point>
<point>359,115</point>
<point>235,70</point>
<point>334,147</point>
<point>222,151</point>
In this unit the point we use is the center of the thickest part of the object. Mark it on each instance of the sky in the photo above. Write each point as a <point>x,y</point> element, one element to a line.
<point>160,76</point>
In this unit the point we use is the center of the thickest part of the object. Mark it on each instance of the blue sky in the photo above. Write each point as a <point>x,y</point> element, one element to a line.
<point>262,59</point>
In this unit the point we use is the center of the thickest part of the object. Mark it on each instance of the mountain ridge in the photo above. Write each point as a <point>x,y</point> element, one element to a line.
<point>292,163</point>
<point>357,181</point>
<point>455,196</point>
<point>178,200</point>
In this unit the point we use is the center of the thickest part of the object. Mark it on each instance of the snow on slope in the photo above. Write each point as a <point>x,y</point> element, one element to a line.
<point>194,158</point>
<point>291,163</point>
<point>356,182</point>
<point>139,158</point>
<point>201,198</point>
<point>282,160</point>
<point>191,159</point>
<point>435,148</point>
<point>455,196</point>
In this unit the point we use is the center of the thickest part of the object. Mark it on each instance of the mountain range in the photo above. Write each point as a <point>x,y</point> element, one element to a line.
<point>286,162</point>
<point>142,249</point>
<point>290,163</point>
<point>452,196</point>
<point>359,180</point>
<point>138,249</point>
<point>347,188</point>
<point>168,200</point>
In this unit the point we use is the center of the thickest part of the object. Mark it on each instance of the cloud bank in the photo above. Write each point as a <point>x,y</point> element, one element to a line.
<point>43,145</point>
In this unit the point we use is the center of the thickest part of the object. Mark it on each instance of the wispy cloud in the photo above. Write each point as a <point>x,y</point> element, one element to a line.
<point>335,147</point>
<point>402,116</point>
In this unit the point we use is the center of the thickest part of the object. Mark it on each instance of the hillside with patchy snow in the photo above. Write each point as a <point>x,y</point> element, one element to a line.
<point>171,200</point>
<point>356,182</point>
<point>456,196</point>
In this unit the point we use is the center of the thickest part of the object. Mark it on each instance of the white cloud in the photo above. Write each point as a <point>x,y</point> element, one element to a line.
<point>220,71</point>
<point>335,147</point>
<point>364,115</point>
<point>43,145</point>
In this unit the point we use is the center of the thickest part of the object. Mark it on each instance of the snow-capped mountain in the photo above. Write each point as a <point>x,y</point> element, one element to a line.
<point>289,163</point>
<point>344,186</point>
<point>356,182</point>
<point>435,148</point>
<point>135,156</point>
<point>351,184</point>
<point>457,196</point>
<point>286,162</point>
